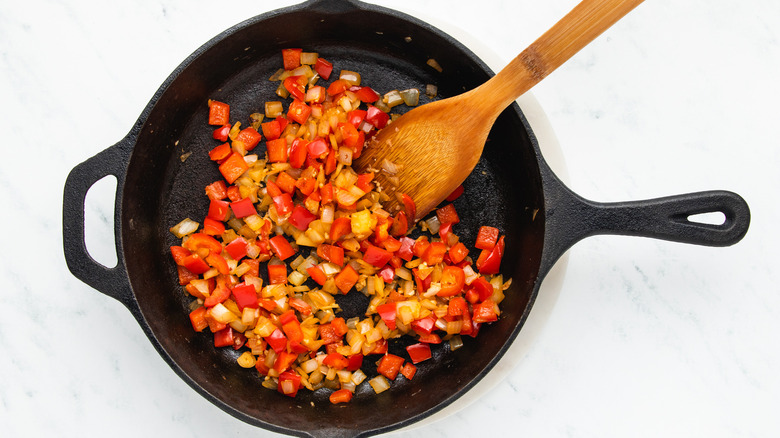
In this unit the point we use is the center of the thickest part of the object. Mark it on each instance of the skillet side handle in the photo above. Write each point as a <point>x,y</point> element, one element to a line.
<point>571,218</point>
<point>110,281</point>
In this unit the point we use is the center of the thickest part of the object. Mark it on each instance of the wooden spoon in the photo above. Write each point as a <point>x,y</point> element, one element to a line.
<point>434,147</point>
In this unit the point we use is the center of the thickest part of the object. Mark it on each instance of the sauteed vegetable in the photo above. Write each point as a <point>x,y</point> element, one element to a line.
<point>289,230</point>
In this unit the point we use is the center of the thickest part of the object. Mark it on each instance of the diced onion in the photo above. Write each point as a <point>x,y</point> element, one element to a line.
<point>411,96</point>
<point>185,227</point>
<point>380,384</point>
<point>345,155</point>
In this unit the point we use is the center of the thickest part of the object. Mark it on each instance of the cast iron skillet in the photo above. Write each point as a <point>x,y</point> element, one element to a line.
<point>512,188</point>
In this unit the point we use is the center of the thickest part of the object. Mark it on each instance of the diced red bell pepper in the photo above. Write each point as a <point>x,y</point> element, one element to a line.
<point>408,371</point>
<point>198,319</point>
<point>349,134</point>
<point>233,167</point>
<point>202,240</point>
<point>277,340</point>
<point>299,111</point>
<point>316,274</point>
<point>376,256</point>
<point>485,312</point>
<point>419,352</point>
<point>486,238</point>
<point>195,264</point>
<point>284,360</point>
<point>356,117</point>
<point>492,262</point>
<point>405,252</point>
<point>301,306</point>
<point>458,252</point>
<point>291,58</point>
<point>243,208</point>
<point>400,224</point>
<point>424,325</point>
<point>221,152</point>
<point>217,261</point>
<point>323,68</point>
<point>355,362</point>
<point>317,147</point>
<point>185,275</point>
<point>331,253</point>
<point>300,218</point>
<point>237,248</point>
<point>219,210</point>
<point>328,334</point>
<point>377,117</point>
<point>249,137</point>
<point>346,279</point>
<point>296,86</point>
<point>271,130</point>
<point>277,150</point>
<point>277,274</point>
<point>447,214</point>
<point>246,296</point>
<point>285,182</point>
<point>284,204</point>
<point>483,289</point>
<point>390,365</point>
<point>298,153</point>
<point>367,95</point>
<point>387,274</point>
<point>293,330</point>
<point>457,307</point>
<point>281,247</point>
<point>341,227</point>
<point>387,312</point>
<point>452,281</point>
<point>224,337</point>
<point>219,113</point>
<point>336,361</point>
<point>179,253</point>
<point>217,190</point>
<point>340,396</point>
<point>338,86</point>
<point>213,227</point>
<point>435,253</point>
<point>221,133</point>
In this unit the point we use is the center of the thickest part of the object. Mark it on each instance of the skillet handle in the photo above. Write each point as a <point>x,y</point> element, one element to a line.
<point>571,218</point>
<point>111,281</point>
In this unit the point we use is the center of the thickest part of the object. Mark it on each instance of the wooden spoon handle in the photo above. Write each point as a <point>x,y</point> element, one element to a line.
<point>568,36</point>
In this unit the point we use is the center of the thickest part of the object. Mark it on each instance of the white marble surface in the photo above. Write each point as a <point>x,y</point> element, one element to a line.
<point>638,338</point>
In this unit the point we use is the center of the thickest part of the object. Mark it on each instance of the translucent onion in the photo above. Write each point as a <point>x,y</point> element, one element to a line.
<point>380,384</point>
<point>345,155</point>
<point>185,227</point>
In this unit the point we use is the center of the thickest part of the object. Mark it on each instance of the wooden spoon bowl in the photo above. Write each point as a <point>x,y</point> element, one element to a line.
<point>434,147</point>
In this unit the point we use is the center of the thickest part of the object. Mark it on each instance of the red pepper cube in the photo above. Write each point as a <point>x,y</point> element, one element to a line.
<point>486,238</point>
<point>346,279</point>
<point>367,95</point>
<point>250,137</point>
<point>219,210</point>
<point>323,68</point>
<point>243,208</point>
<point>246,296</point>
<point>277,150</point>
<point>317,147</point>
<point>376,256</point>
<point>390,365</point>
<point>277,274</point>
<point>221,133</point>
<point>377,117</point>
<point>300,218</point>
<point>299,111</point>
<point>237,248</point>
<point>220,153</point>
<point>419,352</point>
<point>298,153</point>
<point>233,167</point>
<point>447,214</point>
<point>271,130</point>
<point>219,113</point>
<point>224,337</point>
<point>281,247</point>
<point>291,58</point>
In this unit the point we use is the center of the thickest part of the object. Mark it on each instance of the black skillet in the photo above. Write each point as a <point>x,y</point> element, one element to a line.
<point>512,188</point>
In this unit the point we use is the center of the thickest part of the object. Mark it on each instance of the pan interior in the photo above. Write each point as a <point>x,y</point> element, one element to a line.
<point>169,169</point>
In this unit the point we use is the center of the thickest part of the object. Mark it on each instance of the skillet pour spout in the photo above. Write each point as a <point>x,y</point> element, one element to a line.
<point>512,189</point>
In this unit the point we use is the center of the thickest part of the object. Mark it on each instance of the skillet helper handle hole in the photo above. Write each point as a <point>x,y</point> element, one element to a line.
<point>711,218</point>
<point>88,180</point>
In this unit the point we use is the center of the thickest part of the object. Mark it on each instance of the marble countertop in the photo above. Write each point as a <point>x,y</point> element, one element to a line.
<point>632,337</point>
